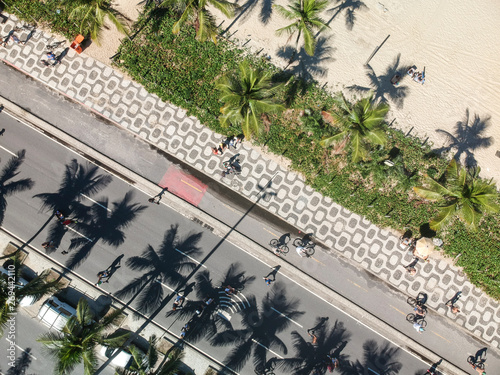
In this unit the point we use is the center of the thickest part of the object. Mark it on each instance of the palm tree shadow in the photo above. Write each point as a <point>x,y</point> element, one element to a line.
<point>260,329</point>
<point>350,7</point>
<point>204,312</point>
<point>308,67</point>
<point>381,85</point>
<point>309,356</point>
<point>245,11</point>
<point>9,187</point>
<point>466,139</point>
<point>21,364</point>
<point>105,225</point>
<point>382,360</point>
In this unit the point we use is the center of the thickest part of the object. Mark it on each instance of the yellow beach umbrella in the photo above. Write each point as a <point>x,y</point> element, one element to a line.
<point>424,247</point>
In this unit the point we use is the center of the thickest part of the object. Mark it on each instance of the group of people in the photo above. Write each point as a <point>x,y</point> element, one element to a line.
<point>417,76</point>
<point>229,142</point>
<point>63,219</point>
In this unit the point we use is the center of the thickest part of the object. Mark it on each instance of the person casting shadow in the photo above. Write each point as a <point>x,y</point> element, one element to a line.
<point>273,273</point>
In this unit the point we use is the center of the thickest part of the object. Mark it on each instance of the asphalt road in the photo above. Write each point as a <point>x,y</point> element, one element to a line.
<point>359,286</point>
<point>45,163</point>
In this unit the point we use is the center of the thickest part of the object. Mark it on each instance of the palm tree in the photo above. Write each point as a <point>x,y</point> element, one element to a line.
<point>466,195</point>
<point>311,357</point>
<point>196,13</point>
<point>260,329</point>
<point>304,14</point>
<point>8,187</point>
<point>247,95</point>
<point>361,123</point>
<point>79,181</point>
<point>144,364</point>
<point>375,360</point>
<point>92,14</point>
<point>103,226</point>
<point>36,288</point>
<point>165,265</point>
<point>79,338</point>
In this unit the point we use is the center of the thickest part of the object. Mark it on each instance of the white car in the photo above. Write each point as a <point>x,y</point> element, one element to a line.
<point>124,359</point>
<point>20,282</point>
<point>55,314</point>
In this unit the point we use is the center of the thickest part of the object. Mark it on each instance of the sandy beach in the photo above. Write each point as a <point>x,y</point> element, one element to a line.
<point>456,43</point>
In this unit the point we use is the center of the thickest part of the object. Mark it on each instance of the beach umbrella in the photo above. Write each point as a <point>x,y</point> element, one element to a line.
<point>424,246</point>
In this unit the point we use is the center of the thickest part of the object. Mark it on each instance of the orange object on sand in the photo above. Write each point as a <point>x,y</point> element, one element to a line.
<point>76,43</point>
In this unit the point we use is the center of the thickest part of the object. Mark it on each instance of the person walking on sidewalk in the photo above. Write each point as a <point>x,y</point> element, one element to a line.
<point>451,303</point>
<point>410,268</point>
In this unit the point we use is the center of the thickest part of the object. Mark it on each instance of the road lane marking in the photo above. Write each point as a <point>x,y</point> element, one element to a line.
<point>359,286</point>
<point>10,152</point>
<point>81,235</point>
<point>90,199</point>
<point>375,372</point>
<point>173,290</point>
<point>229,207</point>
<point>17,346</point>
<point>399,311</point>
<point>271,233</point>
<point>194,260</point>
<point>194,187</point>
<point>293,321</point>
<point>265,347</point>
<point>441,337</point>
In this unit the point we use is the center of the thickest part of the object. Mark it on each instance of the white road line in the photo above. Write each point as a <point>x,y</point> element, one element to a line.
<point>90,199</point>
<point>265,347</point>
<point>173,290</point>
<point>81,235</point>
<point>373,371</point>
<point>293,321</point>
<point>10,152</point>
<point>194,260</point>
<point>17,346</point>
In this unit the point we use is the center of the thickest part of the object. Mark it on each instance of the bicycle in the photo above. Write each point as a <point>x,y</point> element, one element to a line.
<point>231,166</point>
<point>414,302</point>
<point>476,363</point>
<point>279,248</point>
<point>413,318</point>
<point>308,246</point>
<point>54,45</point>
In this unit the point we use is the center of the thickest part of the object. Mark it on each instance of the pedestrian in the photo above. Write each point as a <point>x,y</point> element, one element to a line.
<point>410,268</point>
<point>49,244</point>
<point>157,198</point>
<point>268,280</point>
<point>314,338</point>
<point>179,301</point>
<point>2,131</point>
<point>451,303</point>
<point>101,275</point>
<point>16,40</point>
<point>184,330</point>
<point>50,55</point>
<point>64,252</point>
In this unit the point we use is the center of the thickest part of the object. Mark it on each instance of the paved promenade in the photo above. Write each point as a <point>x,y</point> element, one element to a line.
<point>126,103</point>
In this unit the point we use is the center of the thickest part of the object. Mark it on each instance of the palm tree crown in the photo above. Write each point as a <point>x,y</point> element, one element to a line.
<point>195,11</point>
<point>304,13</point>
<point>8,187</point>
<point>164,265</point>
<point>361,124</point>
<point>466,195</point>
<point>247,95</point>
<point>78,340</point>
<point>93,14</point>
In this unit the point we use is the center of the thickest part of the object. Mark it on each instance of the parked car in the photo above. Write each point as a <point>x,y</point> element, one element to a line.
<point>55,314</point>
<point>124,359</point>
<point>20,282</point>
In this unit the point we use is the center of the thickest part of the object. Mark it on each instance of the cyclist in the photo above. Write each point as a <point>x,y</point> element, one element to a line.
<point>419,311</point>
<point>179,301</point>
<point>301,251</point>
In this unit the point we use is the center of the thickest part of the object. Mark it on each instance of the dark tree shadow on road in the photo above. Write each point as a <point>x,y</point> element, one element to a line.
<point>9,187</point>
<point>21,364</point>
<point>205,308</point>
<point>381,360</point>
<point>467,138</point>
<point>350,7</point>
<point>381,84</point>
<point>260,329</point>
<point>165,265</point>
<point>311,357</point>
<point>106,226</point>
<point>79,181</point>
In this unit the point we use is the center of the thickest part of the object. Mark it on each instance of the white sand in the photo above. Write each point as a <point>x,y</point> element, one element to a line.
<point>457,42</point>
